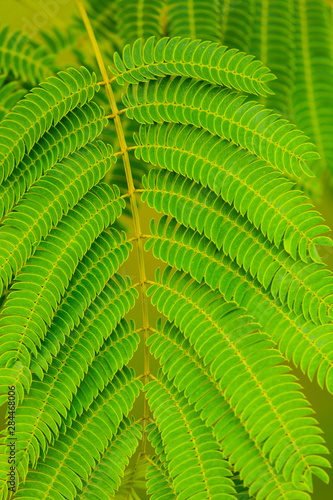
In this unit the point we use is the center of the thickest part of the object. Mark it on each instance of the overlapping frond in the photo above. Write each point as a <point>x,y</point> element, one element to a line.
<point>182,365</point>
<point>306,343</point>
<point>255,189</point>
<point>83,368</point>
<point>75,130</point>
<point>22,59</point>
<point>272,42</point>
<point>225,114</point>
<point>312,97</point>
<point>306,288</point>
<point>58,191</point>
<point>43,107</point>
<point>78,361</point>
<point>82,445</point>
<point>195,464</point>
<point>31,303</point>
<point>196,19</point>
<point>105,480</point>
<point>238,354</point>
<point>105,256</point>
<point>10,93</point>
<point>117,351</point>
<point>138,19</point>
<point>205,61</point>
<point>158,481</point>
<point>244,289</point>
<point>65,209</point>
<point>237,23</point>
<point>133,482</point>
<point>104,19</point>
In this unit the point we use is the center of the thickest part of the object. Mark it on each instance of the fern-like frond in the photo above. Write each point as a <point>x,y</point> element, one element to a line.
<point>205,61</point>
<point>312,97</point>
<point>182,365</point>
<point>159,484</point>
<point>19,57</point>
<point>237,23</point>
<point>306,343</point>
<point>80,447</point>
<point>195,463</point>
<point>75,130</point>
<point>10,93</point>
<point>105,480</point>
<point>196,19</point>
<point>30,305</point>
<point>105,256</point>
<point>45,106</point>
<point>116,352</point>
<point>243,288</point>
<point>240,356</point>
<point>79,372</point>
<point>138,19</point>
<point>306,288</point>
<point>272,42</point>
<point>133,481</point>
<point>225,114</point>
<point>46,202</point>
<point>255,189</point>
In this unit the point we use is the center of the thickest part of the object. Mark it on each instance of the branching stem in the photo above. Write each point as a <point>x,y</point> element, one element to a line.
<point>133,201</point>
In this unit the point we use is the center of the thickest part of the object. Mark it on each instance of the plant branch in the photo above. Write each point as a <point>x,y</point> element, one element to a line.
<point>131,191</point>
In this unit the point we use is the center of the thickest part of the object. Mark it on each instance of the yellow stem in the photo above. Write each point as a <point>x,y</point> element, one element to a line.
<point>131,191</point>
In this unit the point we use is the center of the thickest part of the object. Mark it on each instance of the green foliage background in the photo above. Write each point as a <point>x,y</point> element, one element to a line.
<point>19,13</point>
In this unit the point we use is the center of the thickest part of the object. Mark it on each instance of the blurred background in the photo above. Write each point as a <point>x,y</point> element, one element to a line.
<point>33,15</point>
